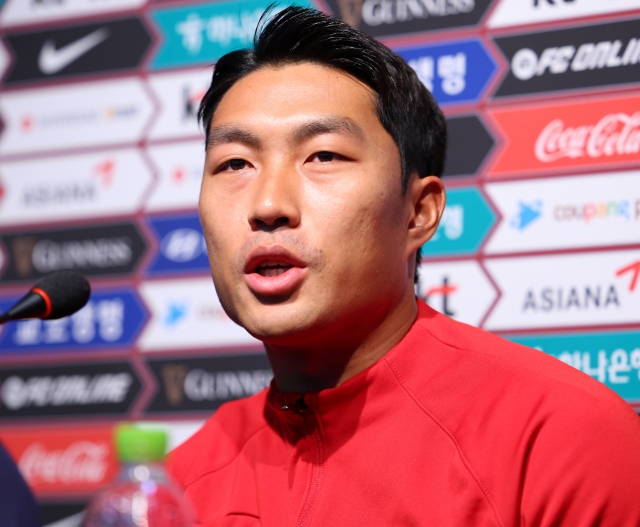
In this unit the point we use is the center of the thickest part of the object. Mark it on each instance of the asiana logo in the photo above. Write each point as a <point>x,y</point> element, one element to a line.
<point>66,192</point>
<point>599,297</point>
<point>565,299</point>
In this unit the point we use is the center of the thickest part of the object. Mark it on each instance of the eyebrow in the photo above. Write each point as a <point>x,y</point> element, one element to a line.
<point>327,125</point>
<point>324,125</point>
<point>232,134</point>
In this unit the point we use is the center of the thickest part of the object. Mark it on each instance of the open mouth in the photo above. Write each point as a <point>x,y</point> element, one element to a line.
<point>271,268</point>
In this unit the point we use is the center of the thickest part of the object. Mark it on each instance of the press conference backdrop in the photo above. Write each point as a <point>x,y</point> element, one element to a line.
<point>100,164</point>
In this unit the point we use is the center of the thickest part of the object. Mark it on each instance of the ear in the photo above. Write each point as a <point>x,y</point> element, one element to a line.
<point>427,200</point>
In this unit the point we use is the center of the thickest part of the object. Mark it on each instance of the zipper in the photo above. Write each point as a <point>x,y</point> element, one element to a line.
<point>317,469</point>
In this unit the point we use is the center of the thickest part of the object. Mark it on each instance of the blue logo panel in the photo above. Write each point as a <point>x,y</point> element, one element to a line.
<point>613,358</point>
<point>110,319</point>
<point>465,223</point>
<point>181,245</point>
<point>455,72</point>
<point>202,33</point>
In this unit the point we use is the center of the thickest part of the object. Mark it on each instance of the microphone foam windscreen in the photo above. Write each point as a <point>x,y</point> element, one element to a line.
<point>68,291</point>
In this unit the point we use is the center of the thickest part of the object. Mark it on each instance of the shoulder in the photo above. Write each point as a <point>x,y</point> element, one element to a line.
<point>473,361</point>
<point>525,421</point>
<point>220,439</point>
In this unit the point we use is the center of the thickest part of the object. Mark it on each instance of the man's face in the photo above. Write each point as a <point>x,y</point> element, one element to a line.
<point>302,208</point>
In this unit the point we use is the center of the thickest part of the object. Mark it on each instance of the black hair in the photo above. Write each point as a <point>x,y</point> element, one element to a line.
<point>406,109</point>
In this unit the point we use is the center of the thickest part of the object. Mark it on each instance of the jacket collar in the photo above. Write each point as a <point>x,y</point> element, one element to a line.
<point>293,406</point>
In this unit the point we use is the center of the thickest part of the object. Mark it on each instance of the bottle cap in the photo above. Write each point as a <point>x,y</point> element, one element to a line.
<point>139,445</point>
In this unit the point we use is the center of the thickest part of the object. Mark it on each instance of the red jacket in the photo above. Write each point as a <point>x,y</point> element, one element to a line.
<point>453,427</point>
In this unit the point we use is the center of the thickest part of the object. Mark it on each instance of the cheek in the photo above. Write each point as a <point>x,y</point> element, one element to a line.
<point>357,222</point>
<point>219,218</point>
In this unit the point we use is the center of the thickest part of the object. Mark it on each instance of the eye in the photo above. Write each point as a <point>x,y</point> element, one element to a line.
<point>326,157</point>
<point>233,164</point>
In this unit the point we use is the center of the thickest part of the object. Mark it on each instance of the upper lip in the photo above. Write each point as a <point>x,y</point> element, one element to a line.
<point>263,253</point>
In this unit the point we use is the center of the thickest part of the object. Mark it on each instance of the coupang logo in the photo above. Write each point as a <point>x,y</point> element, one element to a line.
<point>566,212</point>
<point>388,17</point>
<point>586,133</point>
<point>528,212</point>
<point>586,213</point>
<point>592,211</point>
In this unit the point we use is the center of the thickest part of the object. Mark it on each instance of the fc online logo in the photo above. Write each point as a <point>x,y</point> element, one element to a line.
<point>571,58</point>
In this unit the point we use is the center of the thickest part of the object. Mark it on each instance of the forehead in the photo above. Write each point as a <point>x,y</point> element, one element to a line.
<point>295,93</point>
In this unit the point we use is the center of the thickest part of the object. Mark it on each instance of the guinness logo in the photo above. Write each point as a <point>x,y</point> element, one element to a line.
<point>203,383</point>
<point>102,249</point>
<point>22,248</point>
<point>173,376</point>
<point>380,18</point>
<point>351,11</point>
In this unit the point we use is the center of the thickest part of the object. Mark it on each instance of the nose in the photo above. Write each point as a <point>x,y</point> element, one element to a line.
<point>276,198</point>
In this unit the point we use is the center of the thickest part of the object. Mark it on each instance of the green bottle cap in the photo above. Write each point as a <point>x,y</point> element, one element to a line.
<point>139,445</point>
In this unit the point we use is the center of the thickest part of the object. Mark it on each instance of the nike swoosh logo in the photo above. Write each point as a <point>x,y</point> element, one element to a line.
<point>52,60</point>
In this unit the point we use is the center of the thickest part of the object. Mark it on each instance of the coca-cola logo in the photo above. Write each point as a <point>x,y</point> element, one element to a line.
<point>82,462</point>
<point>614,134</point>
<point>602,132</point>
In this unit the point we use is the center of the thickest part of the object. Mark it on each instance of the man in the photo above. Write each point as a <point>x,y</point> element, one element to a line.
<point>320,186</point>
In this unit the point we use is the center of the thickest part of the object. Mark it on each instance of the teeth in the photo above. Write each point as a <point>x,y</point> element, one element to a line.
<point>272,268</point>
<point>273,271</point>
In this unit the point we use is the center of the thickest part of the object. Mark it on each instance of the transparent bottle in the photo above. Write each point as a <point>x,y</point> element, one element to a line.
<point>142,495</point>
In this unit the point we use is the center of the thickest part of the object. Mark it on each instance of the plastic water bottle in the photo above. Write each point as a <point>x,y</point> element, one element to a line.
<point>142,494</point>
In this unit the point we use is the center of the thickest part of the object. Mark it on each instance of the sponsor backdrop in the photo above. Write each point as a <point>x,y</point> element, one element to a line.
<point>100,165</point>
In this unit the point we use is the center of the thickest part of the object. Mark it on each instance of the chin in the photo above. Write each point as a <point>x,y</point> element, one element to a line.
<point>278,324</point>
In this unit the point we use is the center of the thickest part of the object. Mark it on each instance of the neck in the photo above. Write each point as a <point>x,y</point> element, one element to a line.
<point>344,350</point>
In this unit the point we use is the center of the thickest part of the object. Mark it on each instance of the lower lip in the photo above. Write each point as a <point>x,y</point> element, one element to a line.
<point>275,285</point>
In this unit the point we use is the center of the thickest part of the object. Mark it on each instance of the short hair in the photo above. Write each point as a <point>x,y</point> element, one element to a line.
<point>405,107</point>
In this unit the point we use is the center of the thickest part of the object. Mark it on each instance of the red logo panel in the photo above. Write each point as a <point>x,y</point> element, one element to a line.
<point>63,460</point>
<point>582,134</point>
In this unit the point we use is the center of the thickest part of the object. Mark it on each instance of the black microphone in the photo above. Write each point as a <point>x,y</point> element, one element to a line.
<point>57,295</point>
